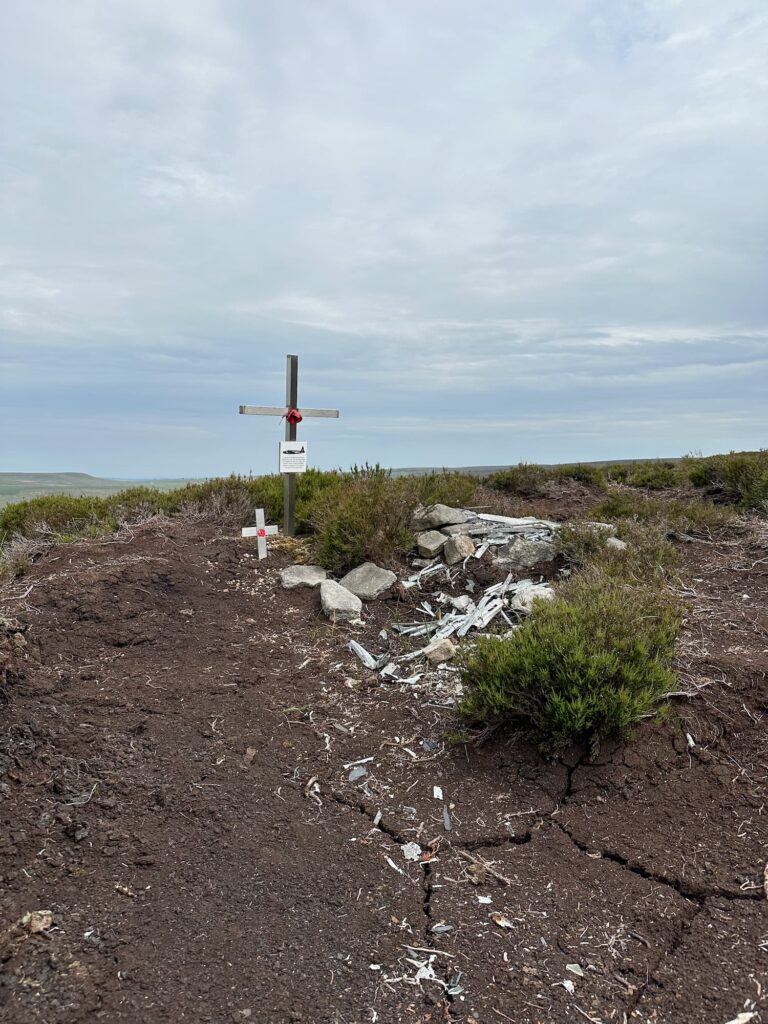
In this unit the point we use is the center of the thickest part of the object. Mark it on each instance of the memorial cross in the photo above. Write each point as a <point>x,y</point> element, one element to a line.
<point>260,531</point>
<point>292,415</point>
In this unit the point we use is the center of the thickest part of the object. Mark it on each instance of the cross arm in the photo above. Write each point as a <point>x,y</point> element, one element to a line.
<point>275,410</point>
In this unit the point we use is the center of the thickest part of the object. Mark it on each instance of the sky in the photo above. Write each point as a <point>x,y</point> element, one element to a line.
<point>491,232</point>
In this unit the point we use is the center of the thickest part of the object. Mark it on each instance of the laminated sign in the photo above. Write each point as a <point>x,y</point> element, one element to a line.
<point>293,456</point>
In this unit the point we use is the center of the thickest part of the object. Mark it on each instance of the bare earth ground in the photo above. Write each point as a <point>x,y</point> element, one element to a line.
<point>174,792</point>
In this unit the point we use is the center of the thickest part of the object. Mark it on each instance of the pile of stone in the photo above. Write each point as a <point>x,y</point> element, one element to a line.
<point>342,601</point>
<point>456,534</point>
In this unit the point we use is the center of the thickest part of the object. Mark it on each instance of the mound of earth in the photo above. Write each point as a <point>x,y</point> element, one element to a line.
<point>181,840</point>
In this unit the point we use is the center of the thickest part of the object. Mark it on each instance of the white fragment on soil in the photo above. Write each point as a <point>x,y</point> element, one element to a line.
<point>568,985</point>
<point>437,793</point>
<point>411,851</point>
<point>575,969</point>
<point>354,764</point>
<point>484,899</point>
<point>691,741</point>
<point>743,1018</point>
<point>358,773</point>
<point>393,865</point>
<point>501,920</point>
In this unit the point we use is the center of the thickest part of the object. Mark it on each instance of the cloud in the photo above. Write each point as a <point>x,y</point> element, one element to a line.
<point>493,216</point>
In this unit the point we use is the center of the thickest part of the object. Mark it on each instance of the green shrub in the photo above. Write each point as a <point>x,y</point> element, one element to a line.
<point>366,519</point>
<point>654,476</point>
<point>672,515</point>
<point>447,487</point>
<point>618,473</point>
<point>526,479</point>
<point>741,477</point>
<point>648,558</point>
<point>55,513</point>
<point>591,475</point>
<point>592,663</point>
<point>581,542</point>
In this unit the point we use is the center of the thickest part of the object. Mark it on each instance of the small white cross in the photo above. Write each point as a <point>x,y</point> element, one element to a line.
<point>260,531</point>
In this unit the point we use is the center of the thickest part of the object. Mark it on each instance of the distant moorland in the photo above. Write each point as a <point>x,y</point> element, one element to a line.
<point>22,486</point>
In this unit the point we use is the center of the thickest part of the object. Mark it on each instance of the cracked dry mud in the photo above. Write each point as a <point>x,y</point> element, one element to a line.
<point>174,793</point>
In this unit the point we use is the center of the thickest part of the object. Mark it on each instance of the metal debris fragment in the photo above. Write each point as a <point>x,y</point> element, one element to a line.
<point>411,851</point>
<point>365,656</point>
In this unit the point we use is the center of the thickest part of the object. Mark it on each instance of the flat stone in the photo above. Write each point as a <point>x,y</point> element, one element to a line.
<point>438,515</point>
<point>523,600</point>
<point>440,650</point>
<point>524,553</point>
<point>472,528</point>
<point>302,576</point>
<point>368,581</point>
<point>430,543</point>
<point>614,542</point>
<point>457,549</point>
<point>422,563</point>
<point>338,603</point>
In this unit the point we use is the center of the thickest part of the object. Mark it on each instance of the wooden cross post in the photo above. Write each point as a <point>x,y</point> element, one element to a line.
<point>292,416</point>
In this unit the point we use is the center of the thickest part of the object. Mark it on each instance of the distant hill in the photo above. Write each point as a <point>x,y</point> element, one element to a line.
<point>20,486</point>
<point>487,470</point>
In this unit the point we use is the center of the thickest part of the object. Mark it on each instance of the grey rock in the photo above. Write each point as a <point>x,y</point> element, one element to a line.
<point>438,515</point>
<point>302,576</point>
<point>524,553</point>
<point>368,581</point>
<point>430,543</point>
<point>338,603</point>
<point>523,600</point>
<point>614,542</point>
<point>422,563</point>
<point>472,528</point>
<point>457,549</point>
<point>440,650</point>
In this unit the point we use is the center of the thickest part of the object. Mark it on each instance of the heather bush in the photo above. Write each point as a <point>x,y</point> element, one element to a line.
<point>592,663</point>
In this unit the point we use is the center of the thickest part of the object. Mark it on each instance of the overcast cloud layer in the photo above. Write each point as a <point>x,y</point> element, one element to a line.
<point>492,231</point>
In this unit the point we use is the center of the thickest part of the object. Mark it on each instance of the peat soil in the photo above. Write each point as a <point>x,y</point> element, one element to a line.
<point>180,839</point>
